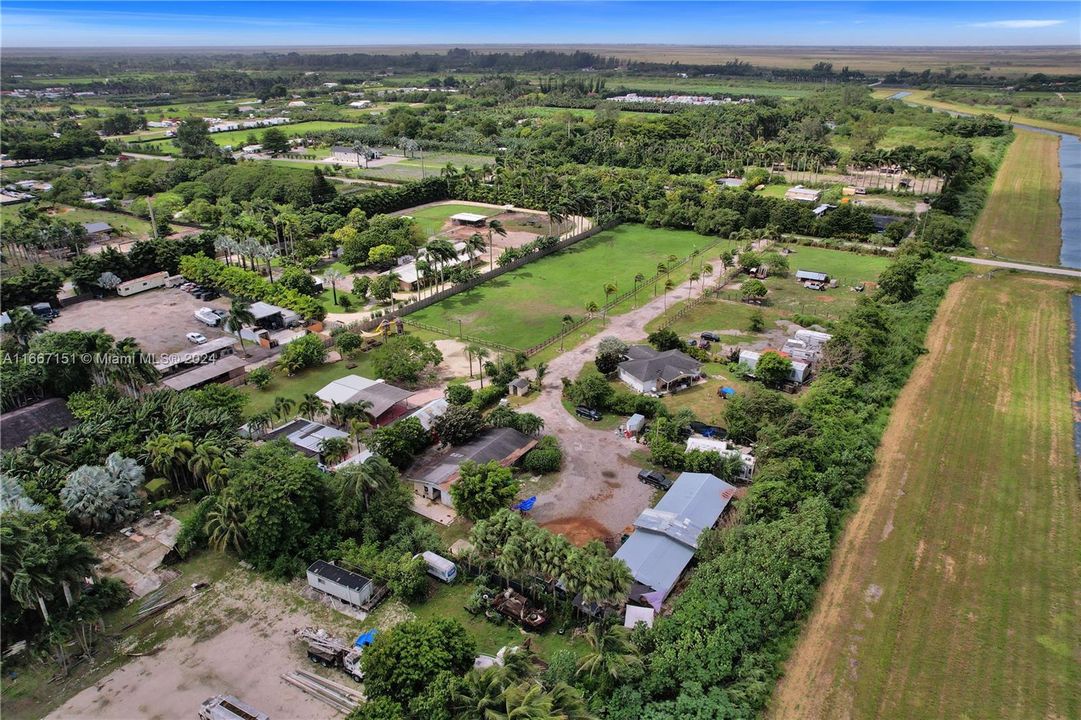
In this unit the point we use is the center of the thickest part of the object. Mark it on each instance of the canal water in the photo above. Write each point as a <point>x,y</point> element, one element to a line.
<point>1069,196</point>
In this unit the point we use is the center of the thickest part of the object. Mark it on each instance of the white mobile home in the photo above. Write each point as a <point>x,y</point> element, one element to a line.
<point>439,567</point>
<point>138,285</point>
<point>340,583</point>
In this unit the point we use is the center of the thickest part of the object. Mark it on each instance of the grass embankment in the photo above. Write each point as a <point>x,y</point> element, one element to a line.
<point>923,97</point>
<point>527,305</point>
<point>1021,219</point>
<point>955,590</point>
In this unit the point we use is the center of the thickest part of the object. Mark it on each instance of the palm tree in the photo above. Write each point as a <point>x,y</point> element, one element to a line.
<point>472,351</point>
<point>311,406</point>
<point>691,280</point>
<point>638,278</point>
<point>22,325</point>
<point>283,407</point>
<point>332,276</point>
<point>201,464</point>
<point>259,423</point>
<point>225,525</point>
<point>169,454</point>
<point>667,288</point>
<point>661,268</point>
<point>481,353</point>
<point>591,307</point>
<point>423,269</point>
<point>358,428</point>
<point>494,227</point>
<point>609,289</point>
<point>479,695</point>
<point>334,449</point>
<point>611,652</point>
<point>563,323</point>
<point>362,481</point>
<point>541,370</point>
<point>707,270</point>
<point>240,314</point>
<point>475,245</point>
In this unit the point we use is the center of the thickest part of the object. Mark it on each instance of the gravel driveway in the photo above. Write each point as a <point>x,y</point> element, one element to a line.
<point>598,494</point>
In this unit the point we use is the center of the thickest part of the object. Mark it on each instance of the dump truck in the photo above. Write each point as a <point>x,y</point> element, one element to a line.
<point>227,707</point>
<point>333,652</point>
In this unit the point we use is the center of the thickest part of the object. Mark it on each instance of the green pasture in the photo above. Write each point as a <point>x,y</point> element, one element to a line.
<point>527,305</point>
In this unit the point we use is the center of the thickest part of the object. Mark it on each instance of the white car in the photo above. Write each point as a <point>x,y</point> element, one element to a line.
<point>197,338</point>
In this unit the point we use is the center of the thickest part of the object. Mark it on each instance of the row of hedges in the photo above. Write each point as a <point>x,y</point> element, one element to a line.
<point>238,282</point>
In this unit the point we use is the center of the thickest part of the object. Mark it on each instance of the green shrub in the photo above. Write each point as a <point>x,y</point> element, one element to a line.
<point>546,457</point>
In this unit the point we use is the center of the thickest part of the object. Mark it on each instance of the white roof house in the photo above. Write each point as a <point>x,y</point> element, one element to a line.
<point>801,371</point>
<point>636,614</point>
<point>428,414</point>
<point>725,449</point>
<point>344,389</point>
<point>803,194</point>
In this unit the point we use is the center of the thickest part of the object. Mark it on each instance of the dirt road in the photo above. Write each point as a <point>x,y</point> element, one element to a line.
<point>598,494</point>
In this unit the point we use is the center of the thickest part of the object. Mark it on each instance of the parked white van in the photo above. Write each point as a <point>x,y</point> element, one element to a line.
<point>207,317</point>
<point>439,567</point>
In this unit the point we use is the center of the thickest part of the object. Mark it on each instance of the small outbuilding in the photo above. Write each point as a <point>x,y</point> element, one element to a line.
<point>471,219</point>
<point>636,615</point>
<point>98,230</point>
<point>519,386</point>
<point>636,423</point>
<point>338,582</point>
<point>803,194</point>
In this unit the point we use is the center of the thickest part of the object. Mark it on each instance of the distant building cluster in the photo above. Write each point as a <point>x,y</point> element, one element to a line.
<point>219,125</point>
<point>679,99</point>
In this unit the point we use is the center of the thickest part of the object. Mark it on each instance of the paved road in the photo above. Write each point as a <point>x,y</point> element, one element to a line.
<point>1005,265</point>
<point>598,493</point>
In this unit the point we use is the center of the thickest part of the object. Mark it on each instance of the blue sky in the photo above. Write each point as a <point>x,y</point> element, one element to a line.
<point>159,23</point>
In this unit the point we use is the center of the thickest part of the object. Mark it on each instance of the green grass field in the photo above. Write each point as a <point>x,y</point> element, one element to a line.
<point>418,168</point>
<point>787,297</point>
<point>731,320</point>
<point>124,224</point>
<point>955,590</point>
<point>526,305</point>
<point>1021,218</point>
<point>431,219</point>
<point>923,97</point>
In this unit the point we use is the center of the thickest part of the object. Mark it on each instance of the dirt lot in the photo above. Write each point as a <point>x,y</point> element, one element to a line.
<point>157,319</point>
<point>236,639</point>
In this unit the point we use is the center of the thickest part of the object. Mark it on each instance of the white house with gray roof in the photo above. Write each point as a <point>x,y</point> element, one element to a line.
<point>647,370</point>
<point>665,537</point>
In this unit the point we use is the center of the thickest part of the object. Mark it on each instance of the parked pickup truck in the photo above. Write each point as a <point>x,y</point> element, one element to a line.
<point>207,316</point>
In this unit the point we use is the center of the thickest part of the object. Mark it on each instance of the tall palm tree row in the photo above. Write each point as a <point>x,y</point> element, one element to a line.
<point>516,547</point>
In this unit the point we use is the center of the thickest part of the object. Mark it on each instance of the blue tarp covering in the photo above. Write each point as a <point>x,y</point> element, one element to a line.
<point>728,392</point>
<point>365,639</point>
<point>526,505</point>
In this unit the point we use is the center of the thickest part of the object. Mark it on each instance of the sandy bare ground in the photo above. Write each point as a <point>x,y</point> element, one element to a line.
<point>158,319</point>
<point>237,639</point>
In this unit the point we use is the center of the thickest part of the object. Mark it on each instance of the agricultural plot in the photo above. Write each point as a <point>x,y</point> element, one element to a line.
<point>123,224</point>
<point>1021,218</point>
<point>955,589</point>
<point>418,168</point>
<point>923,97</point>
<point>527,305</point>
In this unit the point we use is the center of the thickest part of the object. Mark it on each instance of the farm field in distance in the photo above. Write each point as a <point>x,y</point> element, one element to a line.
<point>955,589</point>
<point>1021,219</point>
<point>526,305</point>
<point>923,97</point>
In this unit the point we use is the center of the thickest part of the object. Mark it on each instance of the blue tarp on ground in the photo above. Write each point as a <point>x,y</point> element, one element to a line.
<point>525,505</point>
<point>728,392</point>
<point>366,639</point>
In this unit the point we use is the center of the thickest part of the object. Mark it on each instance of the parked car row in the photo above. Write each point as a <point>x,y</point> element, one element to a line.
<point>200,292</point>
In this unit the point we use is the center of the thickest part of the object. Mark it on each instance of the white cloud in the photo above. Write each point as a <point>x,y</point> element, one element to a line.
<point>1019,24</point>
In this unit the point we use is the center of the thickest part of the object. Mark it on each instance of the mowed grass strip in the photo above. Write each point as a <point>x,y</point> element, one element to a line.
<point>527,305</point>
<point>1022,217</point>
<point>955,590</point>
